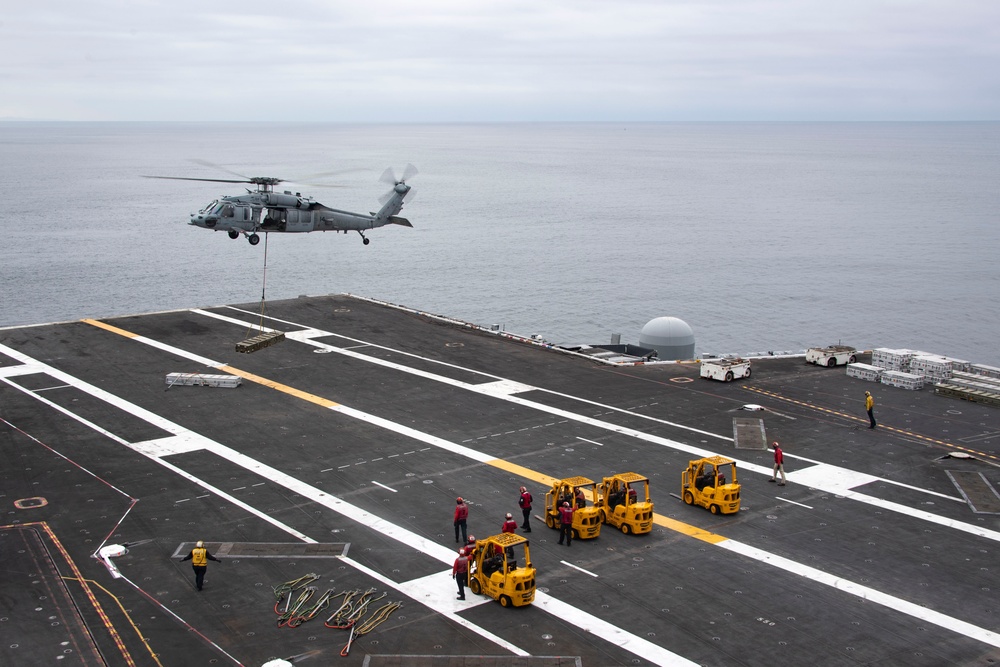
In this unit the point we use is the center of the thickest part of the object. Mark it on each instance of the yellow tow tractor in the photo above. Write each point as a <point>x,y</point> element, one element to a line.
<point>574,490</point>
<point>494,570</point>
<point>623,505</point>
<point>711,483</point>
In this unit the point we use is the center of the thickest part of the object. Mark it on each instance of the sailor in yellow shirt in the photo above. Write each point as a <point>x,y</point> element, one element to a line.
<point>199,558</point>
<point>869,405</point>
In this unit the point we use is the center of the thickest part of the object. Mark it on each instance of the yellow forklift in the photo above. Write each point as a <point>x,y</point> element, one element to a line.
<point>575,491</point>
<point>711,483</point>
<point>494,570</point>
<point>623,501</point>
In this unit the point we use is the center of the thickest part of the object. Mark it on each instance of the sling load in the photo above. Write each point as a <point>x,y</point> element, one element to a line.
<point>264,338</point>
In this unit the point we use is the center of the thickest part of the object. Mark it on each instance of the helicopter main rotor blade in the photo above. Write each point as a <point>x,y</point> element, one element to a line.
<point>212,165</point>
<point>185,178</point>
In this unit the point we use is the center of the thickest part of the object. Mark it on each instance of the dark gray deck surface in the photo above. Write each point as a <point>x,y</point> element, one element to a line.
<point>363,426</point>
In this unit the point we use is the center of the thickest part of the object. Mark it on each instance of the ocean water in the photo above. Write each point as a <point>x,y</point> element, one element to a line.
<point>761,236</point>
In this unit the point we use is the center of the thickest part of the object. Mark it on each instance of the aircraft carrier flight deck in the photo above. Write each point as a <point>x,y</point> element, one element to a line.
<point>335,455</point>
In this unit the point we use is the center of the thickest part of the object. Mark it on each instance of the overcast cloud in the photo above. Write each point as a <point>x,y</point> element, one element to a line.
<point>429,60</point>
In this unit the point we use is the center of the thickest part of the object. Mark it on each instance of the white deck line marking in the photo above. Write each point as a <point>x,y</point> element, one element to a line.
<point>439,552</point>
<point>593,442</point>
<point>384,486</point>
<point>786,500</point>
<point>866,593</point>
<point>608,632</point>
<point>26,368</point>
<point>579,568</point>
<point>427,591</point>
<point>840,481</point>
<point>658,655</point>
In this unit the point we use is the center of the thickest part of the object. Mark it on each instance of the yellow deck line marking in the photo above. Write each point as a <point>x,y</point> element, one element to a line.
<point>284,388</point>
<point>112,329</point>
<point>911,434</point>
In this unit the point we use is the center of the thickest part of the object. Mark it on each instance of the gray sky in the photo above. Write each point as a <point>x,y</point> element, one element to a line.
<point>431,60</point>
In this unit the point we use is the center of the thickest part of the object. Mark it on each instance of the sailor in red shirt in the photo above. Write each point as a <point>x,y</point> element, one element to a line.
<point>566,524</point>
<point>461,515</point>
<point>509,526</point>
<point>460,572</point>
<point>524,502</point>
<point>779,464</point>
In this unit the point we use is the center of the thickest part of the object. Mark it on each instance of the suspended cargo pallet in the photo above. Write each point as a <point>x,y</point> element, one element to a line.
<point>260,341</point>
<point>203,380</point>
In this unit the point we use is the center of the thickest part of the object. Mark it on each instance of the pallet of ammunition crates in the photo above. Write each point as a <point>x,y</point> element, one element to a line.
<point>864,372</point>
<point>203,380</point>
<point>902,380</point>
<point>893,360</point>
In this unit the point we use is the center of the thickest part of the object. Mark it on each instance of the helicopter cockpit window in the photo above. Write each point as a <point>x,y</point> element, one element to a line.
<point>210,207</point>
<point>227,211</point>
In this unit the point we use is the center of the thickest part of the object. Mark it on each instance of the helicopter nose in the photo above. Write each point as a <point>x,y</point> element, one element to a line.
<point>201,220</point>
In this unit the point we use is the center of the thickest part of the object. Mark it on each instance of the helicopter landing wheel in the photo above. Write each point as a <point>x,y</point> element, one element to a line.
<point>253,239</point>
<point>233,234</point>
<point>367,241</point>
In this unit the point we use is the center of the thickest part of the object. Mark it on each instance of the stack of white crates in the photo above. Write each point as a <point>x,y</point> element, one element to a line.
<point>902,380</point>
<point>864,372</point>
<point>936,368</point>
<point>894,360</point>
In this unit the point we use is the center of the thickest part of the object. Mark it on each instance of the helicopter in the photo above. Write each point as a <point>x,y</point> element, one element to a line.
<point>265,210</point>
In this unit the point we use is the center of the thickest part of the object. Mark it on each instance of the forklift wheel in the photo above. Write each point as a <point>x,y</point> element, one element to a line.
<point>625,528</point>
<point>688,498</point>
<point>550,522</point>
<point>714,509</point>
<point>505,601</point>
<point>475,587</point>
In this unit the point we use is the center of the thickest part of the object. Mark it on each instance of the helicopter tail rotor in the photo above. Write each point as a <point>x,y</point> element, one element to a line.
<point>398,185</point>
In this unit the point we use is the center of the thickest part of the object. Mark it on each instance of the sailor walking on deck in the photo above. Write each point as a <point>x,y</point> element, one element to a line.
<point>779,464</point>
<point>869,406</point>
<point>524,502</point>
<point>199,557</point>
